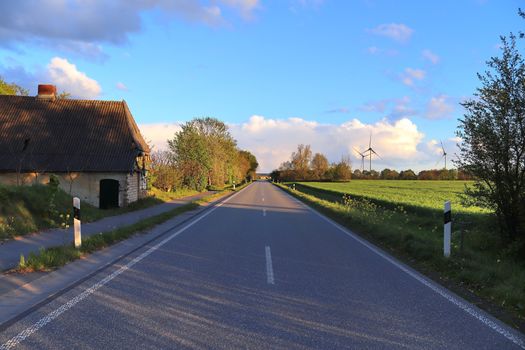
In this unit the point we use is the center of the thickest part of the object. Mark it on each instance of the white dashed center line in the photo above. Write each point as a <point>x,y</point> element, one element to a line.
<point>269,266</point>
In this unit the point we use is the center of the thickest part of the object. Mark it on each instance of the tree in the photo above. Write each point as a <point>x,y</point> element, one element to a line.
<point>190,152</point>
<point>249,172</point>
<point>164,174</point>
<point>493,141</point>
<point>11,89</point>
<point>342,171</point>
<point>221,147</point>
<point>407,175</point>
<point>205,154</point>
<point>286,173</point>
<point>319,166</point>
<point>301,161</point>
<point>388,174</point>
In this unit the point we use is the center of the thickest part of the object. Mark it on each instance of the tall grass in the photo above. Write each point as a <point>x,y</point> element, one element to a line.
<point>27,209</point>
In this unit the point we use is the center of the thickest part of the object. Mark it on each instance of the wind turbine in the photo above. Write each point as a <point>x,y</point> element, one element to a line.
<point>362,159</point>
<point>370,150</point>
<point>443,155</point>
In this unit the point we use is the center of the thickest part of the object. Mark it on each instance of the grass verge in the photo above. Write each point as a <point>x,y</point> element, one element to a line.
<point>497,283</point>
<point>51,258</point>
<point>27,209</point>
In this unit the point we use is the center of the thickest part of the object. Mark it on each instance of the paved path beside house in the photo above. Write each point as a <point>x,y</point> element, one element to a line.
<point>11,250</point>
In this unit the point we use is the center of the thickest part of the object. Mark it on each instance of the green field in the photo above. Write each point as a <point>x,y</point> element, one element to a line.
<point>417,193</point>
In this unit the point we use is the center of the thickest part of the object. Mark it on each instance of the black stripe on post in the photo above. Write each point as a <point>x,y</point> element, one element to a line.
<point>448,217</point>
<point>76,213</point>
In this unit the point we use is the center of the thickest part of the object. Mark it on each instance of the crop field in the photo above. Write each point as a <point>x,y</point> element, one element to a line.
<point>417,193</point>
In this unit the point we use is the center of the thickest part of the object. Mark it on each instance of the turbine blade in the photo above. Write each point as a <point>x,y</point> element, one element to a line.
<point>375,153</point>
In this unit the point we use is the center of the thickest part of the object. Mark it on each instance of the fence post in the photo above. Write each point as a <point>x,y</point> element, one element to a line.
<point>447,229</point>
<point>76,222</point>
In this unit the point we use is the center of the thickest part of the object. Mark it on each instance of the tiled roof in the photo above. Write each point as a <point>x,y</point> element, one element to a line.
<point>67,135</point>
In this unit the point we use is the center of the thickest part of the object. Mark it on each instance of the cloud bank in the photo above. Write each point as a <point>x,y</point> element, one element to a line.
<point>80,26</point>
<point>273,140</point>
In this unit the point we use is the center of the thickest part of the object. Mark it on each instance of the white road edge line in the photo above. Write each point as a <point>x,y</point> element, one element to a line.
<point>269,266</point>
<point>20,337</point>
<point>464,305</point>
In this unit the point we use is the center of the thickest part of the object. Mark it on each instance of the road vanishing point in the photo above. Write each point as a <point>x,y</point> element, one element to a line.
<point>258,270</point>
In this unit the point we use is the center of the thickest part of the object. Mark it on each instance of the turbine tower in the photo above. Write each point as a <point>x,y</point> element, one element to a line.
<point>370,150</point>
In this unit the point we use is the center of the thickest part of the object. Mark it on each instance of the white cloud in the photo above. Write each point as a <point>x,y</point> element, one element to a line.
<point>435,147</point>
<point>245,7</point>
<point>273,140</point>
<point>68,78</point>
<point>158,134</point>
<point>396,31</point>
<point>410,76</point>
<point>430,56</point>
<point>439,108</point>
<point>121,86</point>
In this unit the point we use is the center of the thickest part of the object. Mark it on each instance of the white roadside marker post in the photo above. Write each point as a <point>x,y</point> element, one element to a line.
<point>447,230</point>
<point>76,222</point>
<point>234,184</point>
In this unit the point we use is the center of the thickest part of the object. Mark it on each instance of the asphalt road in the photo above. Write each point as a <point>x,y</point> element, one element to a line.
<point>260,272</point>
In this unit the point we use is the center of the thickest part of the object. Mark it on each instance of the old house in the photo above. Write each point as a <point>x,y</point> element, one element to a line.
<point>94,147</point>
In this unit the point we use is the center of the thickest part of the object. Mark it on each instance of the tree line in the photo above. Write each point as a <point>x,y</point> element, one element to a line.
<point>202,155</point>
<point>303,166</point>
<point>409,174</point>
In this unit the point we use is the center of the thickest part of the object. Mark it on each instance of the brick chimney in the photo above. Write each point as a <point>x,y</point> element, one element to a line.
<point>47,92</point>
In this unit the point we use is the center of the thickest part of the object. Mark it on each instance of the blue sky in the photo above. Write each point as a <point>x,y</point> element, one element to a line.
<point>326,73</point>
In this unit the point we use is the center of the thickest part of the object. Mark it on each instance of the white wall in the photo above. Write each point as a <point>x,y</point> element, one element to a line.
<point>86,186</point>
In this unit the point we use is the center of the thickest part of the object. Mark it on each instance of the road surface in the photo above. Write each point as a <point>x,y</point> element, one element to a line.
<point>261,271</point>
